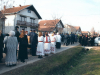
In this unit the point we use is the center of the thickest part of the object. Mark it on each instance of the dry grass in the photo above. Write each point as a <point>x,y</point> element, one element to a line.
<point>48,66</point>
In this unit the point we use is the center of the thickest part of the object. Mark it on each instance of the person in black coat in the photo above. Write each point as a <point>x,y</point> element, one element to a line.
<point>1,45</point>
<point>23,43</point>
<point>33,39</point>
<point>17,32</point>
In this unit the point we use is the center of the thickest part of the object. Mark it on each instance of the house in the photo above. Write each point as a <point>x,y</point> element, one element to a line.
<point>69,29</point>
<point>51,26</point>
<point>23,16</point>
<point>73,29</point>
<point>78,29</point>
<point>85,32</point>
<point>2,22</point>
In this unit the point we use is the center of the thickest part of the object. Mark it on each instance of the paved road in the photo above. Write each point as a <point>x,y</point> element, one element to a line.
<point>32,59</point>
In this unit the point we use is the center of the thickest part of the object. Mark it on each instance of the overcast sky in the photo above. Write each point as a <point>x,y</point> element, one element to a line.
<point>83,13</point>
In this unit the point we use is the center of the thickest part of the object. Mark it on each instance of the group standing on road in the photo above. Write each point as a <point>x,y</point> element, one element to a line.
<point>16,44</point>
<point>41,44</point>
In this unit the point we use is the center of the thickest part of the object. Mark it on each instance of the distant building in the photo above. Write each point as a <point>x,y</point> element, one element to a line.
<point>73,29</point>
<point>2,22</point>
<point>51,26</point>
<point>78,29</point>
<point>23,16</point>
<point>85,32</point>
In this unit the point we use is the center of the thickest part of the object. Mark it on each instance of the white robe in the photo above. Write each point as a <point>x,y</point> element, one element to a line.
<point>53,39</point>
<point>58,38</point>
<point>47,45</point>
<point>40,46</point>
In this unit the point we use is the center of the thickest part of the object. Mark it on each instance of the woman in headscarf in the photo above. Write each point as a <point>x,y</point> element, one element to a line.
<point>11,45</point>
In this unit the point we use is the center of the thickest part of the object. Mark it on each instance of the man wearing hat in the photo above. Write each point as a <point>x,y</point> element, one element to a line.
<point>33,40</point>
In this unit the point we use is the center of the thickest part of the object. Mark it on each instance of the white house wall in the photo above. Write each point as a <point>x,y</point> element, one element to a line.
<point>59,25</point>
<point>9,23</point>
<point>32,15</point>
<point>28,16</point>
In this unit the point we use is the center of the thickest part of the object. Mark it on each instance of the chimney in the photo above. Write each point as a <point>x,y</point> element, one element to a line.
<point>4,7</point>
<point>13,6</point>
<point>20,5</point>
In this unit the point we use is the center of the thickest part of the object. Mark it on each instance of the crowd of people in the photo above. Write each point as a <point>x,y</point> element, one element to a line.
<point>69,38</point>
<point>41,44</point>
<point>86,40</point>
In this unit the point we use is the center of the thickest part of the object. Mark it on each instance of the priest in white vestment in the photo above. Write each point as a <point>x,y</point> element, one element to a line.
<point>58,41</point>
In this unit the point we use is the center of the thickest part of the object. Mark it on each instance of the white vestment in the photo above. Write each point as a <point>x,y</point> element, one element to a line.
<point>53,39</point>
<point>47,45</point>
<point>40,46</point>
<point>58,38</point>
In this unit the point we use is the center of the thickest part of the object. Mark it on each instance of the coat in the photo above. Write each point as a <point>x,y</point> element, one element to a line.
<point>23,43</point>
<point>1,46</point>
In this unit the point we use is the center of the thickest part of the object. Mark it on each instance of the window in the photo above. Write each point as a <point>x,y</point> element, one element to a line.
<point>22,18</point>
<point>32,20</point>
<point>29,11</point>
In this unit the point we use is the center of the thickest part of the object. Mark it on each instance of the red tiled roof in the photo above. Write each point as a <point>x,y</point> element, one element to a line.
<point>15,9</point>
<point>76,27</point>
<point>48,22</point>
<point>71,26</point>
<point>47,25</point>
<point>85,31</point>
<point>46,29</point>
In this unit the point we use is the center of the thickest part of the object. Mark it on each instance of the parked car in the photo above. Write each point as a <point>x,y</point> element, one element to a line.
<point>97,41</point>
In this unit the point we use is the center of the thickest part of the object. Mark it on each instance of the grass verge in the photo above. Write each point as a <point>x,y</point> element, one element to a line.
<point>74,61</point>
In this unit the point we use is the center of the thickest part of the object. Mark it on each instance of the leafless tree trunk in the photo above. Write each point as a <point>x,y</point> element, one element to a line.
<point>92,31</point>
<point>6,3</point>
<point>56,17</point>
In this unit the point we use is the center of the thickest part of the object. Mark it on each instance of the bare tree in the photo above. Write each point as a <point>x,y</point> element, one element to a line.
<point>55,18</point>
<point>6,4</point>
<point>92,31</point>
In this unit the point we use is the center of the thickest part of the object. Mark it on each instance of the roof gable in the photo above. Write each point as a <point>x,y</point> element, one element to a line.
<point>77,27</point>
<point>49,25</point>
<point>18,9</point>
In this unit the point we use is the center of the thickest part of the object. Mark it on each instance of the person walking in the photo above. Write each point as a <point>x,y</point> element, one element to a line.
<point>33,40</point>
<point>11,45</point>
<point>53,40</point>
<point>65,39</point>
<point>23,43</point>
<point>58,41</point>
<point>40,46</point>
<point>47,44</point>
<point>1,45</point>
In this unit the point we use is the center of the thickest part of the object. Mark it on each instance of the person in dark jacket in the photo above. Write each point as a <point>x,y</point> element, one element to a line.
<point>33,39</point>
<point>72,38</point>
<point>23,43</point>
<point>17,35</point>
<point>1,45</point>
<point>17,32</point>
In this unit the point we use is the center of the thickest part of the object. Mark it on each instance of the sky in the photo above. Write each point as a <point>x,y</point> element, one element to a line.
<point>83,13</point>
